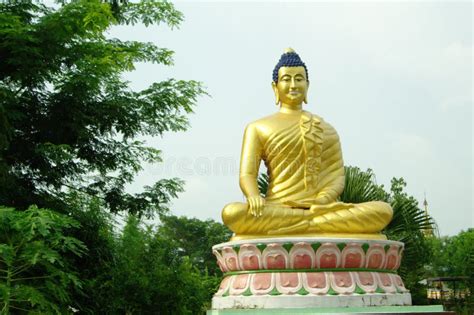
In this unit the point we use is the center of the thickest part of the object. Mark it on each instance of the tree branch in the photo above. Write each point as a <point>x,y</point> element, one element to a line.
<point>31,278</point>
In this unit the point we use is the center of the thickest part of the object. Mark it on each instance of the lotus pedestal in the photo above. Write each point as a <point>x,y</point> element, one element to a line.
<point>284,273</point>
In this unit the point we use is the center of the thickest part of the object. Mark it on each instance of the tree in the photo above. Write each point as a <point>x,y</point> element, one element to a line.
<point>453,256</point>
<point>194,238</point>
<point>34,275</point>
<point>69,123</point>
<point>152,277</point>
<point>98,230</point>
<point>67,119</point>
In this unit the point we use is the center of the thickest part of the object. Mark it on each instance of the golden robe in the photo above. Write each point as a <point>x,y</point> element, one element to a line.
<point>306,171</point>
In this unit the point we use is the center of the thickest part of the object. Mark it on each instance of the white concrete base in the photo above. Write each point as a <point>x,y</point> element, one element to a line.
<point>308,301</point>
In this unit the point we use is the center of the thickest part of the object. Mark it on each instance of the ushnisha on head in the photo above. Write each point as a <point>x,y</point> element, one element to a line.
<point>290,80</point>
<point>289,59</point>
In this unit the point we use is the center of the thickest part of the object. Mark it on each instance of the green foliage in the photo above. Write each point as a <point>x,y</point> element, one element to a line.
<point>151,276</point>
<point>95,266</point>
<point>35,276</point>
<point>69,140</point>
<point>262,181</point>
<point>407,226</point>
<point>148,12</point>
<point>194,238</point>
<point>454,257</point>
<point>360,186</point>
<point>67,119</point>
<point>131,271</point>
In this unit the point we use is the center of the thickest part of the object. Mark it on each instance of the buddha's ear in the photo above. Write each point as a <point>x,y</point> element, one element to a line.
<point>305,100</point>
<point>275,90</point>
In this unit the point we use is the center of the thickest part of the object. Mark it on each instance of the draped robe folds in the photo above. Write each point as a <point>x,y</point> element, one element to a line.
<point>306,172</point>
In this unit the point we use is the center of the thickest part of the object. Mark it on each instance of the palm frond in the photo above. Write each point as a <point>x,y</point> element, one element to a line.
<point>407,226</point>
<point>407,218</point>
<point>360,186</point>
<point>262,181</point>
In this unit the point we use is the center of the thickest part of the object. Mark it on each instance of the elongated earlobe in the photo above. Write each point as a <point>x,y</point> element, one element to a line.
<point>275,90</point>
<point>305,100</point>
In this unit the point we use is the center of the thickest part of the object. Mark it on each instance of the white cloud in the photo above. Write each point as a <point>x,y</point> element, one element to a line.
<point>412,147</point>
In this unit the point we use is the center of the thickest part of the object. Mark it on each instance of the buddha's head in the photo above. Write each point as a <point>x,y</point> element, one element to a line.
<point>290,79</point>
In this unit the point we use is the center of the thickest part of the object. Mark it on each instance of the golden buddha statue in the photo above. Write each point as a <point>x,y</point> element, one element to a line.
<point>303,157</point>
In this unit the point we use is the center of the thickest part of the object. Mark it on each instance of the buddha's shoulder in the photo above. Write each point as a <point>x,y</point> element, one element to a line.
<point>278,121</point>
<point>328,129</point>
<point>264,122</point>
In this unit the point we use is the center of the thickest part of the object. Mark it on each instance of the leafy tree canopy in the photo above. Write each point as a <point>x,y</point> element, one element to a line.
<point>152,276</point>
<point>67,119</point>
<point>34,274</point>
<point>453,255</point>
<point>194,238</point>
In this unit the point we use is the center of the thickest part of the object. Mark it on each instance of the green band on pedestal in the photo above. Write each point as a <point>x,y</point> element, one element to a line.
<point>243,272</point>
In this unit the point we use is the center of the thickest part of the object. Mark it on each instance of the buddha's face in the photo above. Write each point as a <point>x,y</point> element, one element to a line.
<point>292,86</point>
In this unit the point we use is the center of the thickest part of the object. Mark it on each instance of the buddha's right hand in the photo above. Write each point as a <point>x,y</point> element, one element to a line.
<point>256,205</point>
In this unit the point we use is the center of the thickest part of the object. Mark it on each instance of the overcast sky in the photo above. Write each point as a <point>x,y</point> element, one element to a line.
<point>393,78</point>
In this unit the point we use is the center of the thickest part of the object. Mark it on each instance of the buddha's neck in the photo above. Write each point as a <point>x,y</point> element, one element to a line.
<point>291,109</point>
